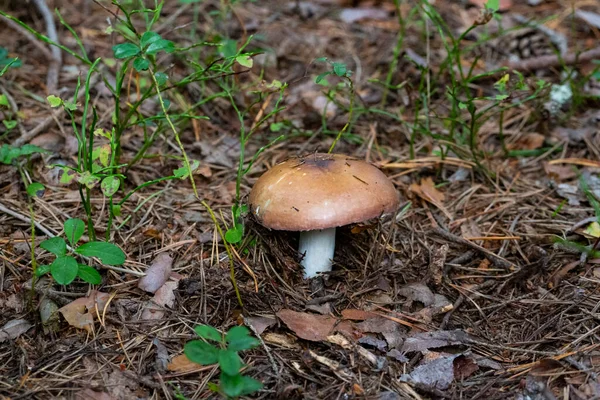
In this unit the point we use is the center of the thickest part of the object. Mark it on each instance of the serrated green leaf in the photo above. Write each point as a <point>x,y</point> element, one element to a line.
<point>89,274</point>
<point>64,269</point>
<point>230,362</point>
<point>74,228</point>
<point>239,338</point>
<point>36,189</point>
<point>55,245</point>
<point>110,185</point>
<point>208,332</point>
<point>54,101</point>
<point>125,50</point>
<point>141,64</point>
<point>108,253</point>
<point>201,352</point>
<point>232,386</point>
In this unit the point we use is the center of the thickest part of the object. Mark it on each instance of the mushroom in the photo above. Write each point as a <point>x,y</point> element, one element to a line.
<point>315,194</point>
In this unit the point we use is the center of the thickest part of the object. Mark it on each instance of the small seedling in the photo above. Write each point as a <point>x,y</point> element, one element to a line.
<point>9,153</point>
<point>65,268</point>
<point>225,353</point>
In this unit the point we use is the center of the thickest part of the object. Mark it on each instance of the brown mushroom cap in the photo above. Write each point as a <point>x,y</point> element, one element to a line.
<point>321,191</point>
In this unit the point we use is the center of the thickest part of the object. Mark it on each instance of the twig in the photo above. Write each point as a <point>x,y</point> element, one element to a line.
<point>544,62</point>
<point>56,58</point>
<point>494,258</point>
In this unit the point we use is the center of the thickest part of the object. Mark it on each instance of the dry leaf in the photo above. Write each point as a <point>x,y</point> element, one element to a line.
<point>157,274</point>
<point>81,312</point>
<point>280,340</point>
<point>432,340</point>
<point>259,324</point>
<point>308,326</point>
<point>13,329</point>
<point>417,292</point>
<point>357,315</point>
<point>530,141</point>
<point>436,373</point>
<point>560,173</point>
<point>428,192</point>
<point>163,298</point>
<point>181,363</point>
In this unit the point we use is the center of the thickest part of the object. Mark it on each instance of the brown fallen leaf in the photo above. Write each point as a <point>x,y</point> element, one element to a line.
<point>259,324</point>
<point>157,273</point>
<point>181,363</point>
<point>357,315</point>
<point>164,297</point>
<point>428,192</point>
<point>281,340</point>
<point>432,340</point>
<point>13,329</point>
<point>530,141</point>
<point>81,312</point>
<point>308,326</point>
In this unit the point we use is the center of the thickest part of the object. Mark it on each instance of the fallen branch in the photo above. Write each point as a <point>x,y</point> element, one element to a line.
<point>544,62</point>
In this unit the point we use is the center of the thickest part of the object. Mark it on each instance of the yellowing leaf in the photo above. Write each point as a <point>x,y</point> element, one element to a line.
<point>593,229</point>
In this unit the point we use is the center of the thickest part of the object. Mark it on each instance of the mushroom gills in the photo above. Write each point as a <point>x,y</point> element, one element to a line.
<point>317,248</point>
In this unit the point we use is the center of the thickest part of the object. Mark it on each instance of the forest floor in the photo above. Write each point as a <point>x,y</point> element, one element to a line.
<point>483,284</point>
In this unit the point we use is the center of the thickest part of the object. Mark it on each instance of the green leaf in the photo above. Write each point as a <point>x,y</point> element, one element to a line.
<point>235,234</point>
<point>42,270</point>
<point>88,179</point>
<point>125,50</point>
<point>9,123</point>
<point>322,76</point>
<point>108,253</point>
<point>250,385</point>
<point>230,362</point>
<point>161,78</point>
<point>183,172</point>
<point>276,126</point>
<point>161,45</point>
<point>238,338</point>
<point>36,189</point>
<point>116,210</point>
<point>201,352</point>
<point>89,274</point>
<point>148,38</point>
<point>244,60</point>
<point>208,332</point>
<point>340,69</point>
<point>141,64</point>
<point>55,245</point>
<point>4,100</point>
<point>54,101</point>
<point>110,185</point>
<point>69,105</point>
<point>232,386</point>
<point>321,59</point>
<point>64,269</point>
<point>74,228</point>
<point>493,5</point>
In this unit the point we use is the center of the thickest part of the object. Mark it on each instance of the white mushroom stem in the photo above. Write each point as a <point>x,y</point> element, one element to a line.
<point>317,249</point>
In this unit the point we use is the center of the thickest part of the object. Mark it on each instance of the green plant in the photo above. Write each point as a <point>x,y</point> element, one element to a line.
<point>65,268</point>
<point>224,352</point>
<point>9,153</point>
